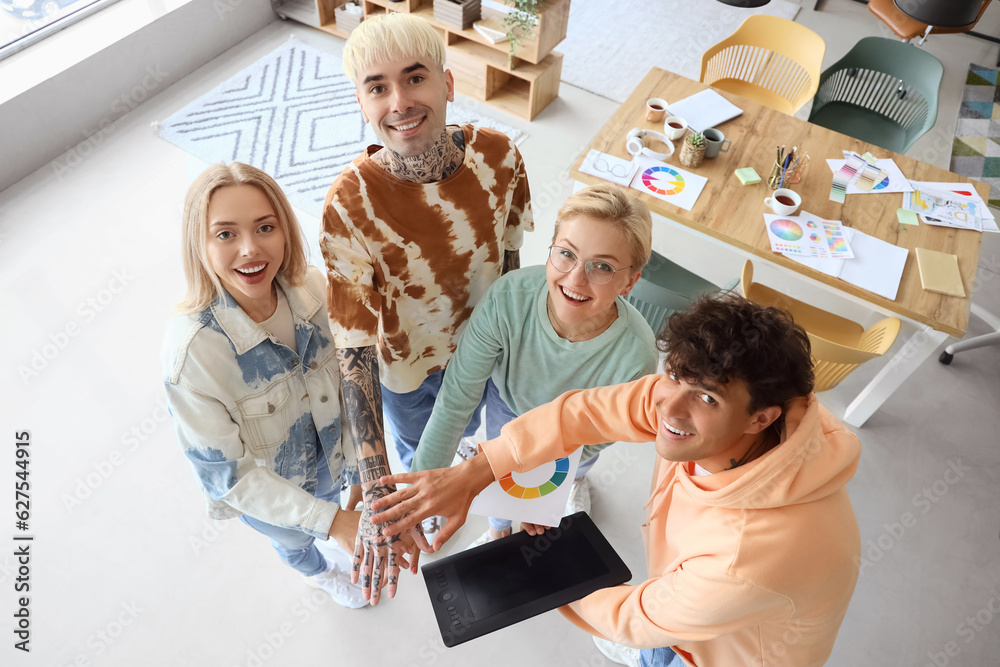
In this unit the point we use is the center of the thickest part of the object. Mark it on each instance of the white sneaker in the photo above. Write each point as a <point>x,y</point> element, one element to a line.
<point>337,582</point>
<point>485,538</point>
<point>467,448</point>
<point>579,497</point>
<point>431,526</point>
<point>623,655</point>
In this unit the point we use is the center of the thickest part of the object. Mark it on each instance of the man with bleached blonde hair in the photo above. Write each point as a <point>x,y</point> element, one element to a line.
<point>414,232</point>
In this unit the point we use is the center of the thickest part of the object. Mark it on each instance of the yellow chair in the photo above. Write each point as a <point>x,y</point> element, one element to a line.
<point>770,60</point>
<point>838,345</point>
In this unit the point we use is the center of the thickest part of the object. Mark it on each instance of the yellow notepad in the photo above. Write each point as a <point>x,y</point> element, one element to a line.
<point>939,272</point>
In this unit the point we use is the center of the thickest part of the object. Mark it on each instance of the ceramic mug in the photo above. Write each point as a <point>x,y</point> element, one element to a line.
<point>656,109</point>
<point>715,142</point>
<point>674,127</point>
<point>783,201</point>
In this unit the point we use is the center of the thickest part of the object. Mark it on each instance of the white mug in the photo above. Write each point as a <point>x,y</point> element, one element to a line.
<point>674,127</point>
<point>779,201</point>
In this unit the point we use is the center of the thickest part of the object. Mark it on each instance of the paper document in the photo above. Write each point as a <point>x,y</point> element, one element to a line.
<point>536,496</point>
<point>671,184</point>
<point>609,167</point>
<point>877,265</point>
<point>807,235</point>
<point>967,191</point>
<point>704,110</point>
<point>944,209</point>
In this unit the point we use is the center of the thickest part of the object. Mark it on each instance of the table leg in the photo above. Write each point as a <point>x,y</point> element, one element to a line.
<point>917,349</point>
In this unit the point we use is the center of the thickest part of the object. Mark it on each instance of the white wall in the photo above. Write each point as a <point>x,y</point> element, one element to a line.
<point>81,103</point>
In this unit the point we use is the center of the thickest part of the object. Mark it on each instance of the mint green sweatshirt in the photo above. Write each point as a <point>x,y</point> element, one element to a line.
<point>509,338</point>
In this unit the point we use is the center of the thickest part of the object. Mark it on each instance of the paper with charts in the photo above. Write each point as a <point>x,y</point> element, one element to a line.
<point>807,235</point>
<point>671,184</point>
<point>944,209</point>
<point>536,496</point>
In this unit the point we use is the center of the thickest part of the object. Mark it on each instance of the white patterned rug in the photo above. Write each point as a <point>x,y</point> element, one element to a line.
<point>293,114</point>
<point>671,34</point>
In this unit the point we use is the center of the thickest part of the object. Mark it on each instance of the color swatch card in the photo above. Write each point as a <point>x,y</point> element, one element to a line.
<point>879,178</point>
<point>807,235</point>
<point>848,171</point>
<point>963,191</point>
<point>671,184</point>
<point>536,496</point>
<point>609,167</point>
<point>944,209</point>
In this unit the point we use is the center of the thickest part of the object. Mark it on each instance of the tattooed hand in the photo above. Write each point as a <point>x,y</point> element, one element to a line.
<point>376,561</point>
<point>377,558</point>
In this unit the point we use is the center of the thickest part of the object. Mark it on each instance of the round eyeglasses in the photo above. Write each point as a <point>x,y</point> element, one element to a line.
<point>598,271</point>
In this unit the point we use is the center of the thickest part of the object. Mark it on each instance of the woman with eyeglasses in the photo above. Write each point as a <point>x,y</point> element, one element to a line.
<point>543,330</point>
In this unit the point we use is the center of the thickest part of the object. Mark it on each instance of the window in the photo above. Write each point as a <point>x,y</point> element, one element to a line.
<point>24,22</point>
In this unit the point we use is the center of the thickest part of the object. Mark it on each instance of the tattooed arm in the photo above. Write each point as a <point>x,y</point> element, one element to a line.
<point>376,558</point>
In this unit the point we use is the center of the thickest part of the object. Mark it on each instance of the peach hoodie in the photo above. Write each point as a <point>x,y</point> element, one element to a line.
<point>748,567</point>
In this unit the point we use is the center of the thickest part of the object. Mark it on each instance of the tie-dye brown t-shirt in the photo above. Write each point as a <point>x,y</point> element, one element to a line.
<point>407,262</point>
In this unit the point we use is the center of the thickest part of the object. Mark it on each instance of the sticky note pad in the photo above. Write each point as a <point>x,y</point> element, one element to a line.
<point>907,217</point>
<point>747,176</point>
<point>939,272</point>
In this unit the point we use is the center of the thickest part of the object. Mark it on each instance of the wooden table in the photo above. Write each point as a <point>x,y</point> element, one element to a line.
<point>733,214</point>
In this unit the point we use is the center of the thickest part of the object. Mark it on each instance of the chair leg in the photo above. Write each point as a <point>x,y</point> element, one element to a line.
<point>920,42</point>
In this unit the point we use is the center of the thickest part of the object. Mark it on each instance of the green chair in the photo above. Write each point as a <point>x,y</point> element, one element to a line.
<point>882,92</point>
<point>665,288</point>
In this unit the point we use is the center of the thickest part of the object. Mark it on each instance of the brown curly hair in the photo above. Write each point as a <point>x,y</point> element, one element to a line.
<point>726,337</point>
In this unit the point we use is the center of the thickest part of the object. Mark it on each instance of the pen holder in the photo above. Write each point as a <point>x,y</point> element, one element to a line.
<point>799,172</point>
<point>774,178</point>
<point>793,174</point>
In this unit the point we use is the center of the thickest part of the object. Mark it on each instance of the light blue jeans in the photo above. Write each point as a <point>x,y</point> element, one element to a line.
<point>294,546</point>
<point>659,657</point>
<point>498,414</point>
<point>407,415</point>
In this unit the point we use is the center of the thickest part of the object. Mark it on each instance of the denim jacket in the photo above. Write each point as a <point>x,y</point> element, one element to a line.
<point>248,411</point>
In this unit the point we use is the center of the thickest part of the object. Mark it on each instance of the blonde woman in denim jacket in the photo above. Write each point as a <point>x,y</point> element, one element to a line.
<point>252,377</point>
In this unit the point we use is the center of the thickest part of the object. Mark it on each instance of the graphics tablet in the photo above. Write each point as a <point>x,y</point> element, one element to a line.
<point>501,583</point>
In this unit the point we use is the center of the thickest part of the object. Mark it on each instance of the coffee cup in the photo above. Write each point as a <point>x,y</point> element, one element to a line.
<point>656,109</point>
<point>674,127</point>
<point>783,201</point>
<point>715,142</point>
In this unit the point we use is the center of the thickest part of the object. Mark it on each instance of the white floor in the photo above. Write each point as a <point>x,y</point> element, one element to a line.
<point>127,570</point>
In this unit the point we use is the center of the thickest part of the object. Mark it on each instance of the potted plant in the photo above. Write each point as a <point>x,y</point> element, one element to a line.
<point>520,21</point>
<point>459,14</point>
<point>692,150</point>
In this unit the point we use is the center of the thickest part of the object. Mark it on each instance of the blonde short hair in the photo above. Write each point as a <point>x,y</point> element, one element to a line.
<point>612,203</point>
<point>203,285</point>
<point>393,36</point>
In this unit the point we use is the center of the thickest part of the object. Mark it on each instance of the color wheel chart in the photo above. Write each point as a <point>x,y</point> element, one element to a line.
<point>786,230</point>
<point>514,489</point>
<point>663,180</point>
<point>538,495</point>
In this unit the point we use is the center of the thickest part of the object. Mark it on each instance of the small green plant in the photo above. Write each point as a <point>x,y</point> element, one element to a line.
<point>520,21</point>
<point>697,139</point>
